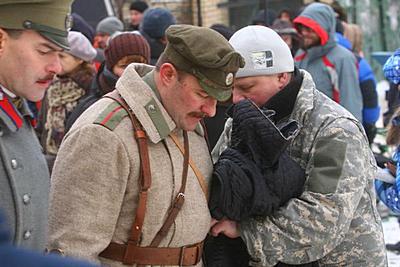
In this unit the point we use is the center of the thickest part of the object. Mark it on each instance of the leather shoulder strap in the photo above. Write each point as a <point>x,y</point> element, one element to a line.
<point>145,172</point>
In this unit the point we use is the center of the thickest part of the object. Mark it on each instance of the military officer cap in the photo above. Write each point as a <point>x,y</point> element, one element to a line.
<point>48,17</point>
<point>207,55</point>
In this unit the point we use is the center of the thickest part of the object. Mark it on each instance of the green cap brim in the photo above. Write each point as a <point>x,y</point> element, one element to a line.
<point>61,41</point>
<point>220,95</point>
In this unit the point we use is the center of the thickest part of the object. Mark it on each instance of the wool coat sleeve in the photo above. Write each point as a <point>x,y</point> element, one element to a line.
<point>311,226</point>
<point>349,87</point>
<point>88,184</point>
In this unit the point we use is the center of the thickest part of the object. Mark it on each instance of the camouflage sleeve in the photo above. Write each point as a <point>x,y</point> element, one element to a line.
<point>311,226</point>
<point>223,141</point>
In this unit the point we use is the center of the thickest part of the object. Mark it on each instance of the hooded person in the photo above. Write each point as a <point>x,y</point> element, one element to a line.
<point>332,66</point>
<point>123,49</point>
<point>69,86</point>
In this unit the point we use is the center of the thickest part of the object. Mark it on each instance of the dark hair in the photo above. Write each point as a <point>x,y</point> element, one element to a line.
<point>14,34</point>
<point>393,135</point>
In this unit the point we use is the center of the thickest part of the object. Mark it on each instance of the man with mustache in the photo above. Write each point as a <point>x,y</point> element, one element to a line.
<point>105,207</point>
<point>32,33</point>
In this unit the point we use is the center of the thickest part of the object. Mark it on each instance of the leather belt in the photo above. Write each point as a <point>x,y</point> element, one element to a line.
<point>183,256</point>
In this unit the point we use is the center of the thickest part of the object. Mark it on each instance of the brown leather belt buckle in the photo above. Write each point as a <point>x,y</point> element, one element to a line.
<point>199,252</point>
<point>182,256</point>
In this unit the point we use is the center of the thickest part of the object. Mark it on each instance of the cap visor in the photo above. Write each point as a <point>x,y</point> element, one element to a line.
<point>59,40</point>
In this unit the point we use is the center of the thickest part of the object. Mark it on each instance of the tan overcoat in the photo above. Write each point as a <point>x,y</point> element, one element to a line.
<point>94,190</point>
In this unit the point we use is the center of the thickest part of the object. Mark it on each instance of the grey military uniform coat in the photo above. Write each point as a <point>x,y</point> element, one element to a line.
<point>335,220</point>
<point>24,177</point>
<point>94,189</point>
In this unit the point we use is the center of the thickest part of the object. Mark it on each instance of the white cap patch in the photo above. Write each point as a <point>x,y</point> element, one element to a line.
<point>229,79</point>
<point>262,60</point>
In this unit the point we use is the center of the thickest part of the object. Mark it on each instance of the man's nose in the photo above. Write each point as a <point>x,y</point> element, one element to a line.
<point>236,97</point>
<point>54,65</point>
<point>209,108</point>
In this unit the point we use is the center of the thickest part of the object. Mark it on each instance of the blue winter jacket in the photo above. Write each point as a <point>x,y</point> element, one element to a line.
<point>390,193</point>
<point>366,78</point>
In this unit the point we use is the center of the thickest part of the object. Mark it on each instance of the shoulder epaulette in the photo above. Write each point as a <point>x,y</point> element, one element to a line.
<point>111,116</point>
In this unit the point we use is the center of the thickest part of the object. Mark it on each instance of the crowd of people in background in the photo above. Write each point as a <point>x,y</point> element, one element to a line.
<point>262,135</point>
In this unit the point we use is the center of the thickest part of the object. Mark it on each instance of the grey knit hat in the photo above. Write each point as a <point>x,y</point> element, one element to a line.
<point>80,46</point>
<point>264,51</point>
<point>109,25</point>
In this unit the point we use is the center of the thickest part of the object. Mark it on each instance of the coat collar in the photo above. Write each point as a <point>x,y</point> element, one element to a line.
<point>11,116</point>
<point>305,99</point>
<point>142,99</point>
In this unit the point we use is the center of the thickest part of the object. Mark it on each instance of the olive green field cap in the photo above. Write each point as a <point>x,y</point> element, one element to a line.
<point>207,55</point>
<point>50,18</point>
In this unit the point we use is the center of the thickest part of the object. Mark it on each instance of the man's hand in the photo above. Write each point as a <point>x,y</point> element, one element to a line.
<point>391,166</point>
<point>226,227</point>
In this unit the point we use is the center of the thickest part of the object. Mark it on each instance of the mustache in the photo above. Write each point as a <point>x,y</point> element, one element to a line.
<point>47,78</point>
<point>198,114</point>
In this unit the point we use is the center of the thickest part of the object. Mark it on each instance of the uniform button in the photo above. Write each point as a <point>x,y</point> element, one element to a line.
<point>27,234</point>
<point>152,108</point>
<point>26,199</point>
<point>14,164</point>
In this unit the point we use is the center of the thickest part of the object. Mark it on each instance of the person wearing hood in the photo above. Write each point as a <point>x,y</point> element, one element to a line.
<point>333,67</point>
<point>334,221</point>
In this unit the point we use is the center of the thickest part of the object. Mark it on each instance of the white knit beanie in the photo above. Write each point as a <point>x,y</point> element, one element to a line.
<point>264,51</point>
<point>80,46</point>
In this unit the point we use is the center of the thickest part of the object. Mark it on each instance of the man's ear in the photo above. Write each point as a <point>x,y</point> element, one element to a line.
<point>168,74</point>
<point>283,79</point>
<point>3,39</point>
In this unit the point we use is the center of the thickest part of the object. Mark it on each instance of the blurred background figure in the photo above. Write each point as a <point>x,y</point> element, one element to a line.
<point>366,77</point>
<point>285,14</point>
<point>155,22</point>
<point>123,49</point>
<point>264,19</point>
<point>79,24</point>
<point>288,33</point>
<point>69,86</point>
<point>105,29</point>
<point>136,11</point>
<point>389,191</point>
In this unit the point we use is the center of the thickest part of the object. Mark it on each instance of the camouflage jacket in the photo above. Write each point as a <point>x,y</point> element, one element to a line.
<point>94,192</point>
<point>335,220</point>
